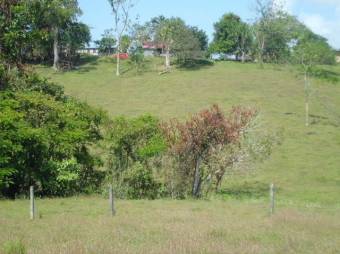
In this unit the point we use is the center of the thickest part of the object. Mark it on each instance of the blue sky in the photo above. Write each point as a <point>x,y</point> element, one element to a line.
<point>322,16</point>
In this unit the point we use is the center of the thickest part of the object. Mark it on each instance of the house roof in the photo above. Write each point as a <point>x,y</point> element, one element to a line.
<point>152,45</point>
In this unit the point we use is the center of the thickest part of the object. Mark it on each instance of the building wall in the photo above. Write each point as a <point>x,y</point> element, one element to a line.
<point>337,59</point>
<point>89,51</point>
<point>149,52</point>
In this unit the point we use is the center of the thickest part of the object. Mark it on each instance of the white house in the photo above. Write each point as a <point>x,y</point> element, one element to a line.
<point>152,49</point>
<point>89,51</point>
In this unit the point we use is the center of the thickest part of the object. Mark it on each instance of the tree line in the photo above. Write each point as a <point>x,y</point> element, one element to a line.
<point>54,33</point>
<point>274,36</point>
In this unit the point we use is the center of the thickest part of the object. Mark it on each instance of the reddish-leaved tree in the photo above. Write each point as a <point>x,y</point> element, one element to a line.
<point>194,140</point>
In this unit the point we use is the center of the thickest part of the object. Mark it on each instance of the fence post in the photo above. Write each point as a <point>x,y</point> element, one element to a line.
<point>32,205</point>
<point>111,201</point>
<point>272,198</point>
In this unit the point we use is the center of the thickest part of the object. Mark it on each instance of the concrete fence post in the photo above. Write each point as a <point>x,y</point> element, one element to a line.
<point>111,201</point>
<point>272,198</point>
<point>32,205</point>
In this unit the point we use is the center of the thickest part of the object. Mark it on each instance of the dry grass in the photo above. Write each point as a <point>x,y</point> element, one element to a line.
<point>82,225</point>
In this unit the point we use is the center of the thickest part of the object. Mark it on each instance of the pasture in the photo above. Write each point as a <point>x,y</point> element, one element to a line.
<point>305,167</point>
<point>83,225</point>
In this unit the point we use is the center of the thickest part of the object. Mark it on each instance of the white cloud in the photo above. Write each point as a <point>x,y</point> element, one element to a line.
<point>317,23</point>
<point>320,24</point>
<point>329,29</point>
<point>327,26</point>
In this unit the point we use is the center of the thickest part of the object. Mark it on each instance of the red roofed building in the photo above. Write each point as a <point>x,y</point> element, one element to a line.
<point>152,49</point>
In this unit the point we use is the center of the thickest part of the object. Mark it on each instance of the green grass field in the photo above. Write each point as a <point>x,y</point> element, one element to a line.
<point>305,169</point>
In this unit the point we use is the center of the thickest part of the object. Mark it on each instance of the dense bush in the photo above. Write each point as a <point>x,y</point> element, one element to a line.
<point>134,140</point>
<point>132,145</point>
<point>139,183</point>
<point>45,138</point>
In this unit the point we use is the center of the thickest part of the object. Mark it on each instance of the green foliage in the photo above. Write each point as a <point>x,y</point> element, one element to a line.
<point>311,52</point>
<point>106,44</point>
<point>75,36</point>
<point>179,39</point>
<point>134,140</point>
<point>133,144</point>
<point>125,43</point>
<point>137,60</point>
<point>45,138</point>
<point>140,183</point>
<point>28,28</point>
<point>231,35</point>
<point>201,36</point>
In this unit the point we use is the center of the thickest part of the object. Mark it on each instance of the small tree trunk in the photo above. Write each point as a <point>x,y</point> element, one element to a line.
<point>55,48</point>
<point>167,59</point>
<point>306,100</point>
<point>261,54</point>
<point>243,56</point>
<point>307,113</point>
<point>197,179</point>
<point>118,59</point>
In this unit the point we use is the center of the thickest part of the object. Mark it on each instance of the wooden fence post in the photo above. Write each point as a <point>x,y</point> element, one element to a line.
<point>32,205</point>
<point>111,201</point>
<point>272,199</point>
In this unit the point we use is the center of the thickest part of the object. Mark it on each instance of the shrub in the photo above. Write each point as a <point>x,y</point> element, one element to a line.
<point>140,183</point>
<point>137,61</point>
<point>134,140</point>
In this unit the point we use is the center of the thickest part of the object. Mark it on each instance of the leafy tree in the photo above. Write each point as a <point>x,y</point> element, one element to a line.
<point>60,13</point>
<point>121,12</point>
<point>75,36</point>
<point>245,42</point>
<point>32,27</point>
<point>106,43</point>
<point>194,141</point>
<point>201,36</point>
<point>265,12</point>
<point>228,32</point>
<point>310,51</point>
<point>274,31</point>
<point>16,31</point>
<point>125,43</point>
<point>176,38</point>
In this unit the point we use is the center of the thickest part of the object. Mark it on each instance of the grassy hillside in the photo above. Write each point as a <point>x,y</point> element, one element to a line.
<point>306,167</point>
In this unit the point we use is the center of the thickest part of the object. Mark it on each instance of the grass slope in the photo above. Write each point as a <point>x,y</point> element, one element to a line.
<point>306,167</point>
